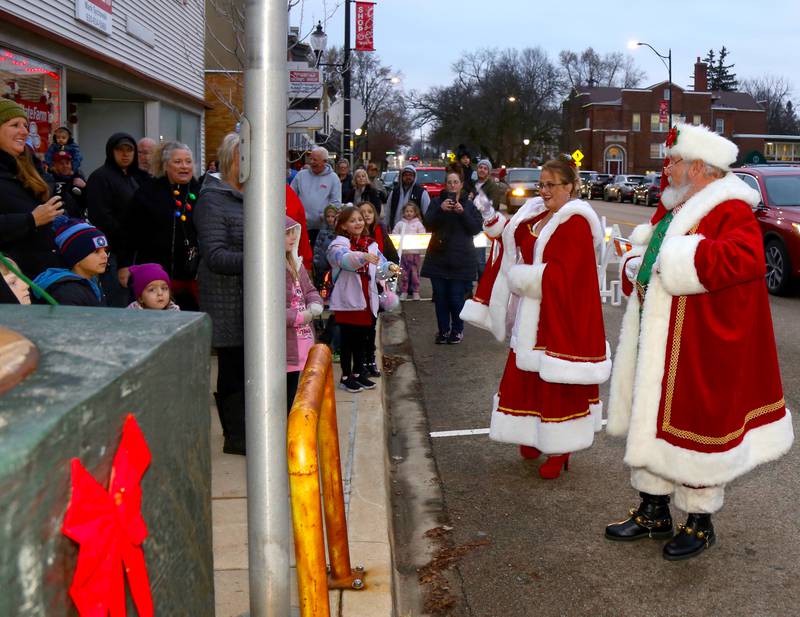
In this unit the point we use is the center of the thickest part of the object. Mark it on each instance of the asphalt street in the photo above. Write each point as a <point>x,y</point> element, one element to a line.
<point>524,546</point>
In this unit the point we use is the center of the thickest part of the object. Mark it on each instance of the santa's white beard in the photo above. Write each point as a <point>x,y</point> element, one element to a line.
<point>672,196</point>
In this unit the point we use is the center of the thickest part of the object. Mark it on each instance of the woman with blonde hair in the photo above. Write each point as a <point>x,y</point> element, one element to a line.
<point>543,279</point>
<point>26,208</point>
<point>160,223</point>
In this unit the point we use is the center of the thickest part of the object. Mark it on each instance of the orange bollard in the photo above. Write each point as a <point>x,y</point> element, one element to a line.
<point>312,423</point>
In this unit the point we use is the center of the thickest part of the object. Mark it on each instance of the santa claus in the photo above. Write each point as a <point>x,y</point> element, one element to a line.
<point>541,287</point>
<point>696,386</point>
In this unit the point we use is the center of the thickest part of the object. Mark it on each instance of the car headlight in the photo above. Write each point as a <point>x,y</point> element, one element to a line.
<point>518,192</point>
<point>796,227</point>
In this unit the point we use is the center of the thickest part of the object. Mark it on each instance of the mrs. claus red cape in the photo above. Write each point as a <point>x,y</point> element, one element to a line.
<point>550,306</point>
<point>696,385</point>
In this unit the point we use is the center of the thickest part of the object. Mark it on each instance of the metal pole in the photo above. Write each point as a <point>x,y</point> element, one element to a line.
<point>346,135</point>
<point>263,153</point>
<point>669,69</point>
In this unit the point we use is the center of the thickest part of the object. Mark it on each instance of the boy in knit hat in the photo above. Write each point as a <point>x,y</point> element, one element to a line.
<point>151,288</point>
<point>84,250</point>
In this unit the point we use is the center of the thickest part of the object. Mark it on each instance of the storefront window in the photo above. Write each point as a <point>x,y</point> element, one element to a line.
<point>37,87</point>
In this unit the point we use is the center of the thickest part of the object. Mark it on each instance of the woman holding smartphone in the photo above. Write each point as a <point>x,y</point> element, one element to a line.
<point>26,208</point>
<point>450,261</point>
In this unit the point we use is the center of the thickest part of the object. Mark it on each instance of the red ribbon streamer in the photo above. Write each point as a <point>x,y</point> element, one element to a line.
<point>109,528</point>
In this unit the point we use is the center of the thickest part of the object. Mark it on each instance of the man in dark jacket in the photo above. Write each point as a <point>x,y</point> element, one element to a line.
<point>84,249</point>
<point>406,190</point>
<point>68,184</point>
<point>108,195</point>
<point>345,177</point>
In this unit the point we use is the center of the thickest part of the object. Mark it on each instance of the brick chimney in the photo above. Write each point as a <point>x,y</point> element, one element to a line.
<point>700,76</point>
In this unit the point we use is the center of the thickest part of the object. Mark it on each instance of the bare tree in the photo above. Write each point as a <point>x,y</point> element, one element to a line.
<point>588,68</point>
<point>496,100</point>
<point>774,93</point>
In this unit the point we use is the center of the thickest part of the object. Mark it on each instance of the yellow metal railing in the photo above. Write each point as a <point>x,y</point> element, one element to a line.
<point>313,426</point>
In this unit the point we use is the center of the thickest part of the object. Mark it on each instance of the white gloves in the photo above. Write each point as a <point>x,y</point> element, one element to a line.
<point>307,316</point>
<point>484,206</point>
<point>315,309</point>
<point>632,268</point>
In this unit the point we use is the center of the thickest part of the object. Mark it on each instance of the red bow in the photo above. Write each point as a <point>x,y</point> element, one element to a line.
<point>672,136</point>
<point>109,528</point>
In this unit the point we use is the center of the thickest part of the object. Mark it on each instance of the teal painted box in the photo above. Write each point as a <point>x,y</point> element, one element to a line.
<point>95,367</point>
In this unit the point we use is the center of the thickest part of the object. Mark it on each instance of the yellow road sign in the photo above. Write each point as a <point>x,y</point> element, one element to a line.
<point>577,156</point>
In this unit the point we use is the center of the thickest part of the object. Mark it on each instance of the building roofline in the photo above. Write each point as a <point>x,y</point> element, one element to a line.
<point>760,136</point>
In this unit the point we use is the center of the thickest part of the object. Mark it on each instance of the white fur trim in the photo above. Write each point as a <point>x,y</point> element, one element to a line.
<point>641,234</point>
<point>477,314</point>
<point>699,143</point>
<point>620,396</point>
<point>762,444</point>
<point>645,482</point>
<point>526,280</point>
<point>559,370</point>
<point>549,437</point>
<point>676,265</point>
<point>707,500</point>
<point>496,228</point>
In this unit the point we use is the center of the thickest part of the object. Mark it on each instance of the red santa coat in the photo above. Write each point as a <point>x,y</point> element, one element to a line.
<point>696,385</point>
<point>549,302</point>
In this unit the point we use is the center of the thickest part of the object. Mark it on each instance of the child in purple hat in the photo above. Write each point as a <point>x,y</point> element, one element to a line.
<point>151,288</point>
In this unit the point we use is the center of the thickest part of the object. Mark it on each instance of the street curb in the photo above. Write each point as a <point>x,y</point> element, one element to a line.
<point>369,505</point>
<point>416,495</point>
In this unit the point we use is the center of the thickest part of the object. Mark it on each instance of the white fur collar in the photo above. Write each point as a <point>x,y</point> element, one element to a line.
<point>700,204</point>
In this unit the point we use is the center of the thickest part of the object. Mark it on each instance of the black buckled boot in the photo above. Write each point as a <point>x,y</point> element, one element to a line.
<point>650,520</point>
<point>692,538</point>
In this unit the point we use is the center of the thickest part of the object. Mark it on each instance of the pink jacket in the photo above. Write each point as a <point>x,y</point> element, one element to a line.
<point>294,321</point>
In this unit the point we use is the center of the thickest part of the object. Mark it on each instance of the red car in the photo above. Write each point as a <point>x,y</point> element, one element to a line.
<point>779,217</point>
<point>432,179</point>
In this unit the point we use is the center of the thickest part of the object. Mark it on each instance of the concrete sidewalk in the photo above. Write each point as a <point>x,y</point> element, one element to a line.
<point>362,444</point>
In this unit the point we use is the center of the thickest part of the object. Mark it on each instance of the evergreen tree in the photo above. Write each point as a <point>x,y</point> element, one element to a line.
<point>720,75</point>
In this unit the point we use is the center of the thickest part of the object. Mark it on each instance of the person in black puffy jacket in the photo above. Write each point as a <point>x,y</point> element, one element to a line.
<point>450,261</point>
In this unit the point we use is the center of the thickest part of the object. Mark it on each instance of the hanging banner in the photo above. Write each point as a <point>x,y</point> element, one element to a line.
<point>364,19</point>
<point>663,112</point>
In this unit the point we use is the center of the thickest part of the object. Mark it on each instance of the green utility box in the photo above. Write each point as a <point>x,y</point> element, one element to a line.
<point>96,366</point>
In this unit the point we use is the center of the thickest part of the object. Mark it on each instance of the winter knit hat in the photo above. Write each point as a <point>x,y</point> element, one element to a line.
<point>144,274</point>
<point>62,154</point>
<point>76,239</point>
<point>10,109</point>
<point>486,162</point>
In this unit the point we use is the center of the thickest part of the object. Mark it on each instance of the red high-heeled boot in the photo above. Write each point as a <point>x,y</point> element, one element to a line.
<point>552,467</point>
<point>529,452</point>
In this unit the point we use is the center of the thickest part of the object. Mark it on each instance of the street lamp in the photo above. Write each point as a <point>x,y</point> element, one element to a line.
<point>526,141</point>
<point>512,99</point>
<point>666,61</point>
<point>318,42</point>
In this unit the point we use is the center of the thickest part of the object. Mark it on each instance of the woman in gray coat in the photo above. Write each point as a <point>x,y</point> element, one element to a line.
<point>219,219</point>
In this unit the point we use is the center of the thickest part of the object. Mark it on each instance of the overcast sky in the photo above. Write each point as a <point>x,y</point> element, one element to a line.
<point>422,38</point>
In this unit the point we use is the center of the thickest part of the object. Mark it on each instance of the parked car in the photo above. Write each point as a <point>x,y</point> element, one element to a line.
<point>648,192</point>
<point>390,178</point>
<point>621,188</point>
<point>586,180</point>
<point>778,214</point>
<point>523,183</point>
<point>432,179</point>
<point>598,184</point>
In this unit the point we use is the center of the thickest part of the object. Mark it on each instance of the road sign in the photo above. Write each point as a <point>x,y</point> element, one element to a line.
<point>357,114</point>
<point>577,156</point>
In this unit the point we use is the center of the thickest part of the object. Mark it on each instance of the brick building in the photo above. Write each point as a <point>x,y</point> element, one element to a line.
<point>619,129</point>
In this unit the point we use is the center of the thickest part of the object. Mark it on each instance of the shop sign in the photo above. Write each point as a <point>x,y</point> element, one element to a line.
<point>38,123</point>
<point>365,12</point>
<point>96,13</point>
<point>305,83</point>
